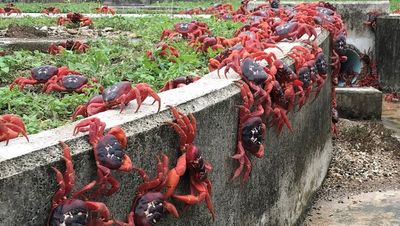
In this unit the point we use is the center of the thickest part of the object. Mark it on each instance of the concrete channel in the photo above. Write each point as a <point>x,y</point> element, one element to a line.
<point>278,192</point>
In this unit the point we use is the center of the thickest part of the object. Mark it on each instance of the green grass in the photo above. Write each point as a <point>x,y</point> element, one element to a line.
<point>109,61</point>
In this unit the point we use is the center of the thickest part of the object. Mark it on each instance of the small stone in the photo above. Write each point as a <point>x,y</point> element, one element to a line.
<point>44,28</point>
<point>108,29</point>
<point>72,31</point>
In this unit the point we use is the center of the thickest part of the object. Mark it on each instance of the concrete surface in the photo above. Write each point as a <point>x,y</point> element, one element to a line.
<point>391,117</point>
<point>277,193</point>
<point>368,209</point>
<point>359,103</point>
<point>354,14</point>
<point>388,51</point>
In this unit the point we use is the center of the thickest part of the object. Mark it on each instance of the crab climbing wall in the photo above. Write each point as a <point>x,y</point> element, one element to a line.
<point>388,51</point>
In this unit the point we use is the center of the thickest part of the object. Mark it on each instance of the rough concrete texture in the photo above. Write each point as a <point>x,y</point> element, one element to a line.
<point>374,208</point>
<point>388,51</point>
<point>359,103</point>
<point>353,15</point>
<point>280,186</point>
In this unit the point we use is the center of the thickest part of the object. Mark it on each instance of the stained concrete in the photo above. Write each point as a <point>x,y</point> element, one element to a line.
<point>359,103</point>
<point>388,51</point>
<point>368,209</point>
<point>354,14</point>
<point>279,189</point>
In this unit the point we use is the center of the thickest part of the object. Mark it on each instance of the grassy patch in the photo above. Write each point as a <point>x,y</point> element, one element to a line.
<point>109,61</point>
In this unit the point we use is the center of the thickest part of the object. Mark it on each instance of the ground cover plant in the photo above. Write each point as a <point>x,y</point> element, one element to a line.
<point>109,61</point>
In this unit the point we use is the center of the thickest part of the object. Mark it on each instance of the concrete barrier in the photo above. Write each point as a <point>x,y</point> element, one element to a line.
<point>388,51</point>
<point>359,103</point>
<point>279,189</point>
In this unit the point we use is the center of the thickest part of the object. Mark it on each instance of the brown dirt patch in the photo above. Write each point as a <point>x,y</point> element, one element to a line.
<point>17,31</point>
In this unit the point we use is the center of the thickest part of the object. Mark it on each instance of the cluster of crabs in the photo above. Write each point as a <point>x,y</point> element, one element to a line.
<point>269,87</point>
<point>150,201</point>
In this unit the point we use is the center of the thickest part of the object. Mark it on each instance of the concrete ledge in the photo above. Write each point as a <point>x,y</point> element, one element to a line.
<point>388,51</point>
<point>277,193</point>
<point>359,103</point>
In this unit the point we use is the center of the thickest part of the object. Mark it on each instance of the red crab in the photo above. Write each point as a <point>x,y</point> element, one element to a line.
<point>76,46</point>
<point>105,9</point>
<point>165,51</point>
<point>392,97</point>
<point>397,11</point>
<point>288,79</point>
<point>83,109</point>
<point>191,160</point>
<point>149,204</point>
<point>293,30</point>
<point>75,18</point>
<point>10,9</point>
<point>188,30</point>
<point>10,127</point>
<point>74,211</point>
<point>250,134</point>
<point>204,42</point>
<point>119,94</point>
<point>42,74</point>
<point>108,152</point>
<point>234,59</point>
<point>179,82</point>
<point>371,22</point>
<point>68,83</point>
<point>51,10</point>
<point>316,63</point>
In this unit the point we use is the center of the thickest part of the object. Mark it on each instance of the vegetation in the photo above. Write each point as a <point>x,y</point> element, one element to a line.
<point>109,61</point>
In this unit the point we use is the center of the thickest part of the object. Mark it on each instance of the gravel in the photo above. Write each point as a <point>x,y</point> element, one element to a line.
<point>366,158</point>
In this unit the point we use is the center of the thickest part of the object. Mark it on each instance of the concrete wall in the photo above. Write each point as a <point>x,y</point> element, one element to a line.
<point>277,193</point>
<point>359,103</point>
<point>353,15</point>
<point>388,51</point>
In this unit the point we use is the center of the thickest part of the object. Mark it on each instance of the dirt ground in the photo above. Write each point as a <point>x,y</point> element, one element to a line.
<point>366,158</point>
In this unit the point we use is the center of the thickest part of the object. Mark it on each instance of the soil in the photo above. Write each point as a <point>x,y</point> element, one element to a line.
<point>366,158</point>
<point>17,31</point>
<point>64,33</point>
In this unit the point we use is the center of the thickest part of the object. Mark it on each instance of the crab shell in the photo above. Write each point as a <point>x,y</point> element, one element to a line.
<point>305,76</point>
<point>253,72</point>
<point>44,73</point>
<point>252,134</point>
<point>110,152</point>
<point>73,82</point>
<point>70,212</point>
<point>321,64</point>
<point>113,92</point>
<point>149,209</point>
